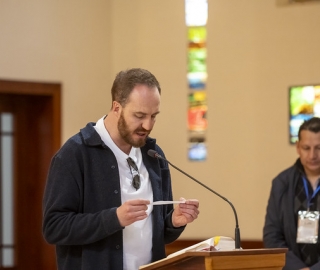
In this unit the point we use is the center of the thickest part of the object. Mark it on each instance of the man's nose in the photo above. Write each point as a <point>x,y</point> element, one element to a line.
<point>148,124</point>
<point>313,153</point>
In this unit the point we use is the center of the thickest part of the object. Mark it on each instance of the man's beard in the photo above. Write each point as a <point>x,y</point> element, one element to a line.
<point>126,134</point>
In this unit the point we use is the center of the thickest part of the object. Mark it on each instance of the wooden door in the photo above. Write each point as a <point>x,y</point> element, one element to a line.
<point>35,110</point>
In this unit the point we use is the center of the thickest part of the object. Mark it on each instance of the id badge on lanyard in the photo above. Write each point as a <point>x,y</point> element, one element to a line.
<point>308,221</point>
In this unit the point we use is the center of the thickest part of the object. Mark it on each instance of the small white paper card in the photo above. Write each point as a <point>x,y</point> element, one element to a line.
<point>166,202</point>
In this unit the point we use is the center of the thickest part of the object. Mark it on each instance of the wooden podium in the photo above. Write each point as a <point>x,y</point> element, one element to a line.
<point>259,259</point>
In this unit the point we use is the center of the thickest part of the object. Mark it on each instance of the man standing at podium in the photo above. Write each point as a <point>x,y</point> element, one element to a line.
<point>292,218</point>
<point>101,183</point>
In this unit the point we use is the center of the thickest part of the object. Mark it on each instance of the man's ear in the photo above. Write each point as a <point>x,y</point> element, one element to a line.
<point>297,147</point>
<point>116,106</point>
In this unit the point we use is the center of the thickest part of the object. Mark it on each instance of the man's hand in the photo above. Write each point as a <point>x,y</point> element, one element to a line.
<point>132,211</point>
<point>185,213</point>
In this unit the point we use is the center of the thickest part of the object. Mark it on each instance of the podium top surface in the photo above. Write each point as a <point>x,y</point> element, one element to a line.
<point>204,254</point>
<point>236,252</point>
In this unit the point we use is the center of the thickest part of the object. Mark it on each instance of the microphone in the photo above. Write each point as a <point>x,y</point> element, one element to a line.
<point>154,154</point>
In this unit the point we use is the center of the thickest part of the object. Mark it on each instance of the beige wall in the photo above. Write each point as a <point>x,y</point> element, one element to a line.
<point>257,48</point>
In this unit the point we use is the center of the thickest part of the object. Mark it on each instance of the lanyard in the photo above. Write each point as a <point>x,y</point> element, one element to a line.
<point>307,193</point>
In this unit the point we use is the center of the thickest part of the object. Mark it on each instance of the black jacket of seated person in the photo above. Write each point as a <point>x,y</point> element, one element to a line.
<point>280,228</point>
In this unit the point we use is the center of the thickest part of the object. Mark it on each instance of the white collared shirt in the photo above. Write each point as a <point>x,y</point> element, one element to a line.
<point>137,237</point>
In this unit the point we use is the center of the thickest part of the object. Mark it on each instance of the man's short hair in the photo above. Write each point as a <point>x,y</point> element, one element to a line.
<point>126,80</point>
<point>313,125</point>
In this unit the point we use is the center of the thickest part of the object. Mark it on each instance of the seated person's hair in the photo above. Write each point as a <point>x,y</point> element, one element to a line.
<point>312,125</point>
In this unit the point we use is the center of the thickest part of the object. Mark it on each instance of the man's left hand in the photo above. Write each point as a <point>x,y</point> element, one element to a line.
<point>185,212</point>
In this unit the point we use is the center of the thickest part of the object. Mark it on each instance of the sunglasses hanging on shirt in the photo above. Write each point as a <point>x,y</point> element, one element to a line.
<point>136,183</point>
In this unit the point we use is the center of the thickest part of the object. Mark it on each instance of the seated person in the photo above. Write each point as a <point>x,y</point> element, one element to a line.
<point>292,218</point>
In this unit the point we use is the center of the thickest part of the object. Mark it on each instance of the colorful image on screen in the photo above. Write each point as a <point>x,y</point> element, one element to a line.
<point>304,103</point>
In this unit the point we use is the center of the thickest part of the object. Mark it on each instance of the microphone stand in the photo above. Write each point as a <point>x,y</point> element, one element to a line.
<point>237,229</point>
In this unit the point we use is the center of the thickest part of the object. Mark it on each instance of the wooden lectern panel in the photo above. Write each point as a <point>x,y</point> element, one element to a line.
<point>244,259</point>
<point>261,262</point>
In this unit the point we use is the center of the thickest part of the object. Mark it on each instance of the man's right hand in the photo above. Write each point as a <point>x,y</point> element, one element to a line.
<point>132,211</point>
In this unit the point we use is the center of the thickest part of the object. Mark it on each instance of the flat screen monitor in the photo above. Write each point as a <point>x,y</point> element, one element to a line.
<point>304,103</point>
